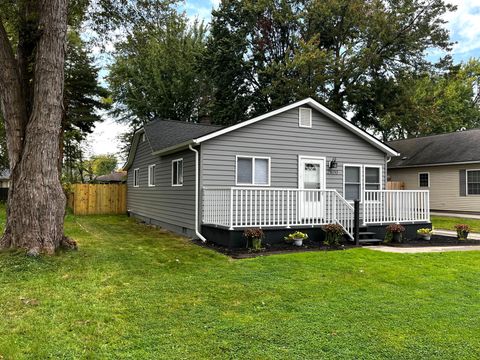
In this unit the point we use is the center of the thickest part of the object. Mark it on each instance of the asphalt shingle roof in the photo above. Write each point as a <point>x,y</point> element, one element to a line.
<point>163,134</point>
<point>456,147</point>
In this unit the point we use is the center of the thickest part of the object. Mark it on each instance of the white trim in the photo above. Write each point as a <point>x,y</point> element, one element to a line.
<point>317,106</point>
<point>150,167</point>
<point>136,177</point>
<point>300,117</point>
<point>143,136</point>
<point>360,166</point>
<point>171,168</point>
<point>466,182</point>
<point>323,159</point>
<point>418,176</point>
<point>253,169</point>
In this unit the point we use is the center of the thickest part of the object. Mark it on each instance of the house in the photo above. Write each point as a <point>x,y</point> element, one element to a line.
<point>298,167</point>
<point>117,177</point>
<point>447,164</point>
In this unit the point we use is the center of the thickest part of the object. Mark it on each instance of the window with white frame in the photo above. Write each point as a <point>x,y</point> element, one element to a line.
<point>305,117</point>
<point>352,182</point>
<point>424,179</point>
<point>177,172</point>
<point>143,136</point>
<point>135,178</point>
<point>151,175</point>
<point>473,182</point>
<point>253,170</point>
<point>373,178</point>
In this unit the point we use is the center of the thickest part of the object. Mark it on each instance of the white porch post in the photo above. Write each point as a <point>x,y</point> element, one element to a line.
<point>231,209</point>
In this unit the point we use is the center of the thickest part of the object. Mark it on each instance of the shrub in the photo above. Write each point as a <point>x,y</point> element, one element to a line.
<point>254,236</point>
<point>462,231</point>
<point>394,229</point>
<point>333,234</point>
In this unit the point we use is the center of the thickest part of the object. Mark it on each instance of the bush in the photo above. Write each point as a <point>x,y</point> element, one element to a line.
<point>333,234</point>
<point>394,229</point>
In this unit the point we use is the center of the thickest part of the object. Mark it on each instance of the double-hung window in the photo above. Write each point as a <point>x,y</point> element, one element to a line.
<point>135,178</point>
<point>352,182</point>
<point>373,178</point>
<point>424,179</point>
<point>151,175</point>
<point>253,170</point>
<point>177,172</point>
<point>473,182</point>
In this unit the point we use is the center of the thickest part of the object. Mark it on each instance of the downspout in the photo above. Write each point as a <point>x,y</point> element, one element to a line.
<point>197,230</point>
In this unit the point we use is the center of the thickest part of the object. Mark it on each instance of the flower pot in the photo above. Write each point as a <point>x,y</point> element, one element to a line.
<point>462,235</point>
<point>298,242</point>
<point>397,237</point>
<point>257,244</point>
<point>426,237</point>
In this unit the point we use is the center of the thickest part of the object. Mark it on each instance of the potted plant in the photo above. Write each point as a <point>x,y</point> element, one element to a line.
<point>254,236</point>
<point>425,233</point>
<point>333,234</point>
<point>462,231</point>
<point>395,232</point>
<point>297,238</point>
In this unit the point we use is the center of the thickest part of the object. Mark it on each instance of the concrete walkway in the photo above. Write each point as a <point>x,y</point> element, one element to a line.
<point>471,236</point>
<point>456,215</point>
<point>429,249</point>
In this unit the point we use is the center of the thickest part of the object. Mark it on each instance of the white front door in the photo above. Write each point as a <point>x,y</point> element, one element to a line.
<point>311,175</point>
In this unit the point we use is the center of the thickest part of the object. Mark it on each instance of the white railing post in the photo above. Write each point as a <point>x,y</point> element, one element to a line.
<point>288,209</point>
<point>231,209</point>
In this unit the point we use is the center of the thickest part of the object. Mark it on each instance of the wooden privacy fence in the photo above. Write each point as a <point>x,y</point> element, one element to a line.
<point>395,185</point>
<point>91,199</point>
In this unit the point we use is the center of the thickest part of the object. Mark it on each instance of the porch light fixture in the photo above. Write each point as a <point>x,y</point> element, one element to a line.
<point>333,163</point>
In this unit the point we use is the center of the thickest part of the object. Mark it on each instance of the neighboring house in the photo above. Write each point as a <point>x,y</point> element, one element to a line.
<point>5,178</point>
<point>448,165</point>
<point>298,167</point>
<point>117,177</point>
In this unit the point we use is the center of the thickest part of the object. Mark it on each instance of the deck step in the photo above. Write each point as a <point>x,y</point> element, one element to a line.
<point>367,233</point>
<point>370,241</point>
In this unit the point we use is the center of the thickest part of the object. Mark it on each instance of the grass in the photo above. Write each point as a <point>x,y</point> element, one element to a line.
<point>134,292</point>
<point>448,223</point>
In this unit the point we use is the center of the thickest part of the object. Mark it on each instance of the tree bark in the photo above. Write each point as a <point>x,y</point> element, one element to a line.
<point>36,201</point>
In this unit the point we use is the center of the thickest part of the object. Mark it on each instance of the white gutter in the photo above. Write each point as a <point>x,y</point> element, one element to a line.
<point>197,231</point>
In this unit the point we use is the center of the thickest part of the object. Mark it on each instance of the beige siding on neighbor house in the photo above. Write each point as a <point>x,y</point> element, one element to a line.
<point>444,186</point>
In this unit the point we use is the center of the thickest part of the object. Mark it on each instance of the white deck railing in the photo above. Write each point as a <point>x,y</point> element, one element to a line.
<point>396,206</point>
<point>238,207</point>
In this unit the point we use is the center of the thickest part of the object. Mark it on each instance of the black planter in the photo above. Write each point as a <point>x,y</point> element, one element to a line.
<point>397,237</point>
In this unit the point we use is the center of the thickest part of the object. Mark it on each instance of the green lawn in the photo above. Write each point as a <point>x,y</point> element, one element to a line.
<point>134,292</point>
<point>448,223</point>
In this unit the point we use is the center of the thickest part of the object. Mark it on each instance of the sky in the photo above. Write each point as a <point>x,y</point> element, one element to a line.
<point>464,27</point>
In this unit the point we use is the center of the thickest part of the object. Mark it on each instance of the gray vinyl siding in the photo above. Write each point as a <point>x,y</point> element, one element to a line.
<point>163,204</point>
<point>280,138</point>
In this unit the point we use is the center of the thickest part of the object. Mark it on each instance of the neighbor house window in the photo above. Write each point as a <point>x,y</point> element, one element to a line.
<point>177,172</point>
<point>305,117</point>
<point>253,170</point>
<point>135,178</point>
<point>352,182</point>
<point>424,179</point>
<point>151,175</point>
<point>473,182</point>
<point>373,177</point>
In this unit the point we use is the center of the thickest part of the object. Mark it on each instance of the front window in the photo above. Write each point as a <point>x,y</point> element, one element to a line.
<point>473,182</point>
<point>423,179</point>
<point>352,182</point>
<point>177,172</point>
<point>253,171</point>
<point>135,178</point>
<point>372,178</point>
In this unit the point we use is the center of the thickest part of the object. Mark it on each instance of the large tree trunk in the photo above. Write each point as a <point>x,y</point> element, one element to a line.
<point>36,201</point>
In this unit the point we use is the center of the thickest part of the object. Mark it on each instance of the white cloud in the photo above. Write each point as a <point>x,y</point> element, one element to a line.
<point>464,25</point>
<point>104,139</point>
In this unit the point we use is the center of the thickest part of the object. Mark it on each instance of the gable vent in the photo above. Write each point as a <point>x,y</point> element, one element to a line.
<point>305,117</point>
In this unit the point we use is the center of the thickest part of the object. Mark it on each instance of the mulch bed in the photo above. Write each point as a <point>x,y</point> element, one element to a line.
<point>436,240</point>
<point>271,249</point>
